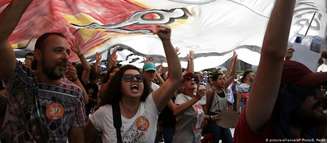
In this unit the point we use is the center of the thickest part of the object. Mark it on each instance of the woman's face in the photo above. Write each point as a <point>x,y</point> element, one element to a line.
<point>132,83</point>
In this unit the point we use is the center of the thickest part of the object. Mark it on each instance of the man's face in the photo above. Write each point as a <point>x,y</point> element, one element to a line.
<point>150,75</point>
<point>54,57</point>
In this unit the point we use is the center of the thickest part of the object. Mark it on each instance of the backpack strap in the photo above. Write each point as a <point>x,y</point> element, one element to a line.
<point>117,121</point>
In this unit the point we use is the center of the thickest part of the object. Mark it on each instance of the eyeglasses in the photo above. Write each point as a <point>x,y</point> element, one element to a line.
<point>130,78</point>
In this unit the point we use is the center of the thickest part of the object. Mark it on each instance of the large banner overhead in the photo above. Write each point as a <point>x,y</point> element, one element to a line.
<point>211,28</point>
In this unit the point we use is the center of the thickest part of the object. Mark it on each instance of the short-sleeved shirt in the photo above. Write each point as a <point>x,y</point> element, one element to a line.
<point>39,110</point>
<point>188,124</point>
<point>141,128</point>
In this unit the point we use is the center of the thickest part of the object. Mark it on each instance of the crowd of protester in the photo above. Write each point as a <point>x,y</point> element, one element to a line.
<point>49,99</point>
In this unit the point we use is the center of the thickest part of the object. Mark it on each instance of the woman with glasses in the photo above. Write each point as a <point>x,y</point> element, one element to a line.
<point>129,112</point>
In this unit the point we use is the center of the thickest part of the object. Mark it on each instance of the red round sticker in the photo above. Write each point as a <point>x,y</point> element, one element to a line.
<point>55,111</point>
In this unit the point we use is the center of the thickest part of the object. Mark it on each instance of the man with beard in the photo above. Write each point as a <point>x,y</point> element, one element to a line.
<point>44,105</point>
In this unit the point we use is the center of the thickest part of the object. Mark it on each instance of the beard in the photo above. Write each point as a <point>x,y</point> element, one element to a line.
<point>56,72</point>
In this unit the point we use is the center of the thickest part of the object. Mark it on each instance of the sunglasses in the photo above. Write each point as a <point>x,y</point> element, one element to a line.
<point>130,78</point>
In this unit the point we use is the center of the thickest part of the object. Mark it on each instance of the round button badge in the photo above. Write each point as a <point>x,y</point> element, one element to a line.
<point>55,111</point>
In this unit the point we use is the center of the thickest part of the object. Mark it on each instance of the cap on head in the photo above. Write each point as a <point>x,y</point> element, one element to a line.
<point>149,67</point>
<point>298,74</point>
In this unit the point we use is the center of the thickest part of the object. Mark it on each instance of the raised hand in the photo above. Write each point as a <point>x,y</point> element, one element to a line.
<point>234,54</point>
<point>160,70</point>
<point>113,58</point>
<point>163,33</point>
<point>191,55</point>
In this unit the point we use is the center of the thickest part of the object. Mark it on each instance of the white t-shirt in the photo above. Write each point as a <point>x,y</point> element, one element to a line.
<point>141,128</point>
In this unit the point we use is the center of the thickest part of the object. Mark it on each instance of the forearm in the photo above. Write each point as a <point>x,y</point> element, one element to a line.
<point>229,80</point>
<point>159,77</point>
<point>276,36</point>
<point>9,19</point>
<point>11,16</point>
<point>173,62</point>
<point>90,133</point>
<point>77,135</point>
<point>190,66</point>
<point>177,109</point>
<point>85,76</point>
<point>97,65</point>
<point>7,61</point>
<point>232,66</point>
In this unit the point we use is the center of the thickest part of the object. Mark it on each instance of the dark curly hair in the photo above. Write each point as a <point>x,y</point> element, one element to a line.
<point>114,90</point>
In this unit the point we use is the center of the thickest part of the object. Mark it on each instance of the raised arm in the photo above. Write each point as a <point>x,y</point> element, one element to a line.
<point>163,94</point>
<point>267,81</point>
<point>9,19</point>
<point>97,64</point>
<point>159,73</point>
<point>177,109</point>
<point>180,108</point>
<point>112,60</point>
<point>232,70</point>
<point>85,65</point>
